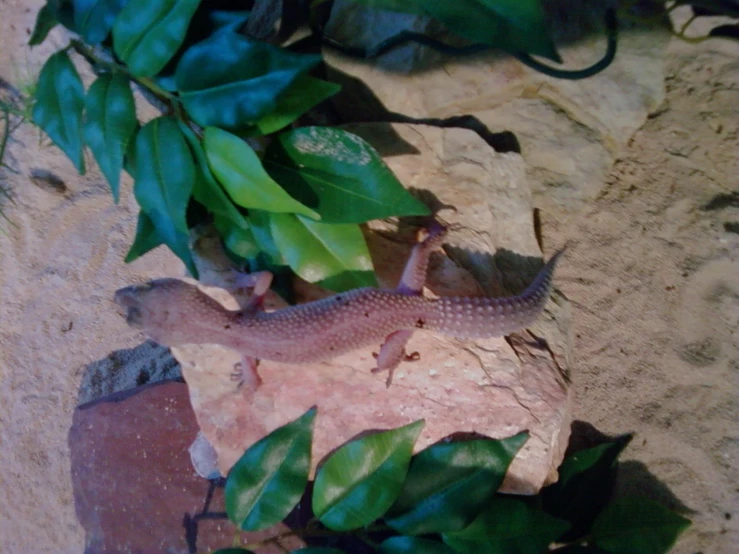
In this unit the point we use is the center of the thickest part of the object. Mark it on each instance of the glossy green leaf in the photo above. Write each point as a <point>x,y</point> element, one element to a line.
<point>513,25</point>
<point>238,168</point>
<point>339,175</point>
<point>449,484</point>
<point>585,484</point>
<point>147,33</point>
<point>413,545</point>
<point>260,226</point>
<point>45,21</point>
<point>237,240</point>
<point>632,524</point>
<point>164,178</point>
<point>318,550</point>
<point>207,190</point>
<point>110,124</point>
<point>146,238</point>
<point>60,98</point>
<point>360,481</point>
<point>93,19</point>
<point>305,93</point>
<point>269,479</point>
<point>231,81</point>
<point>336,256</point>
<point>507,525</point>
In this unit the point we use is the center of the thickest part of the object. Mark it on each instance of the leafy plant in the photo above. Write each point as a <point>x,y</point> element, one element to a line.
<point>442,500</point>
<point>299,204</point>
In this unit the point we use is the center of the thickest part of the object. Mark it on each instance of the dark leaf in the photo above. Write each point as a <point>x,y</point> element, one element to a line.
<point>339,175</point>
<point>449,484</point>
<point>261,229</point>
<point>147,33</point>
<point>146,238</point>
<point>238,168</point>
<point>269,479</point>
<point>633,524</point>
<point>507,525</point>
<point>233,550</point>
<point>585,483</point>
<point>60,98</point>
<point>207,190</point>
<point>45,21</point>
<point>110,124</point>
<point>231,81</point>
<point>164,179</point>
<point>513,25</point>
<point>728,8</point>
<point>413,545</point>
<point>361,480</point>
<point>725,31</point>
<point>305,93</point>
<point>335,255</point>
<point>93,19</point>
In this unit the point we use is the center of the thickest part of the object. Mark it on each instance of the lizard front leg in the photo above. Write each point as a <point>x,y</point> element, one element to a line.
<point>414,274</point>
<point>393,352</point>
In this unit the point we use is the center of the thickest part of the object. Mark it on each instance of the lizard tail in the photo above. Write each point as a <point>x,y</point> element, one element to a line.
<point>482,317</point>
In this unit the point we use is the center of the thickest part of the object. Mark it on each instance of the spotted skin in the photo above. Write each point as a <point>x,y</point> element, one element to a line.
<point>173,312</point>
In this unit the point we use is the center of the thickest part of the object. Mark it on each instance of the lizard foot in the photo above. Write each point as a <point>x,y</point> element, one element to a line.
<point>245,373</point>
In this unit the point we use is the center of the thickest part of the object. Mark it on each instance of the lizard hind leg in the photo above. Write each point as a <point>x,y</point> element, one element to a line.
<point>414,274</point>
<point>392,353</point>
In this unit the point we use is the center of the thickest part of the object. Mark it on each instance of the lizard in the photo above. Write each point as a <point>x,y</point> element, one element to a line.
<point>173,312</point>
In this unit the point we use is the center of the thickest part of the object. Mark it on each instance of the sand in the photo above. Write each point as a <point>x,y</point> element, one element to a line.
<point>652,273</point>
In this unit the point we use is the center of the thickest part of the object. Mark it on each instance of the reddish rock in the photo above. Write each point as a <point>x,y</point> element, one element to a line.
<point>135,489</point>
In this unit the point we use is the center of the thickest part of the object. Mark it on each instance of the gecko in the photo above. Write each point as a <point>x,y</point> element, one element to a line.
<point>173,312</point>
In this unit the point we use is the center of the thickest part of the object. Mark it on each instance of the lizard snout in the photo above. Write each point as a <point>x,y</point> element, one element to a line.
<point>129,300</point>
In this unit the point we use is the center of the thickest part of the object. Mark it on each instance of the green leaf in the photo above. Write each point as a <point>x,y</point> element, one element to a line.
<point>146,239</point>
<point>93,19</point>
<point>339,175</point>
<point>164,179</point>
<point>413,545</point>
<point>207,190</point>
<point>637,525</point>
<point>336,256</point>
<point>361,480</point>
<point>238,168</point>
<point>45,21</point>
<point>507,525</point>
<point>513,25</point>
<point>110,124</point>
<point>260,226</point>
<point>60,98</point>
<point>231,81</point>
<point>269,479</point>
<point>585,484</point>
<point>449,484</point>
<point>305,93</point>
<point>147,33</point>
<point>237,240</point>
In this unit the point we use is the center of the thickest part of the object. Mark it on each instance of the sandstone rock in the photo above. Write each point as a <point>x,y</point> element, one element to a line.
<point>484,386</point>
<point>135,489</point>
<point>570,131</point>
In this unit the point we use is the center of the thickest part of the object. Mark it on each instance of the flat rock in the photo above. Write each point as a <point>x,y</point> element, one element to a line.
<point>135,489</point>
<point>570,131</point>
<point>489,387</point>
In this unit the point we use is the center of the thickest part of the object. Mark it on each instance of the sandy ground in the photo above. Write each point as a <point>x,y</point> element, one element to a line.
<point>652,272</point>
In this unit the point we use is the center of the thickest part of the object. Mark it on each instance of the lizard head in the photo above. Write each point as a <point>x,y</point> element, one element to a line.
<point>160,309</point>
